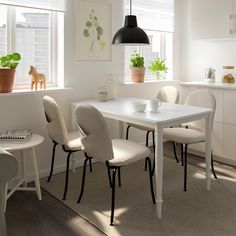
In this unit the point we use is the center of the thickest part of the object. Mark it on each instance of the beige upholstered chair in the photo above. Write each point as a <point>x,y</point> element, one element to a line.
<point>57,131</point>
<point>8,170</point>
<point>195,133</point>
<point>96,142</point>
<point>168,94</point>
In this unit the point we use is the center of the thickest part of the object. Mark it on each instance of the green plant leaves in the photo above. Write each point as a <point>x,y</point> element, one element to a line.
<point>136,60</point>
<point>10,61</point>
<point>16,56</point>
<point>86,33</point>
<point>157,65</point>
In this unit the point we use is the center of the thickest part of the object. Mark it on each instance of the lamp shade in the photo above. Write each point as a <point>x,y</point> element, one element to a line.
<point>130,34</point>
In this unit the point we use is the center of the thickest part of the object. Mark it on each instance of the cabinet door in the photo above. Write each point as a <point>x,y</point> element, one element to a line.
<point>230,106</point>
<point>212,19</point>
<point>230,142</point>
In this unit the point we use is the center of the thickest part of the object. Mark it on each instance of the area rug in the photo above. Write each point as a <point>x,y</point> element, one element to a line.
<point>195,212</point>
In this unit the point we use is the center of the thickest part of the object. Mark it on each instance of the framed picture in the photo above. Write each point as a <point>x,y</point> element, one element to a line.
<point>93,30</point>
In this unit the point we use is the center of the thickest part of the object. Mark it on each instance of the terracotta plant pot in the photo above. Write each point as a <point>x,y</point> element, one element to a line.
<point>137,74</point>
<point>6,80</point>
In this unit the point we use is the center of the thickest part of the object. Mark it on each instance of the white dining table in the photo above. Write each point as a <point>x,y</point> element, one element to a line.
<point>167,115</point>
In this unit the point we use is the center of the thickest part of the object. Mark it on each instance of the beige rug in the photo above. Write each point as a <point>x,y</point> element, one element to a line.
<point>195,212</point>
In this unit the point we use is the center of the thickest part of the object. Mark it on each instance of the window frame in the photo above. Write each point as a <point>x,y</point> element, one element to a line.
<point>54,56</point>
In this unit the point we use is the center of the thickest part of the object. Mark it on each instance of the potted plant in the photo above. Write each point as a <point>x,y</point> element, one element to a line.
<point>137,68</point>
<point>8,64</point>
<point>158,67</point>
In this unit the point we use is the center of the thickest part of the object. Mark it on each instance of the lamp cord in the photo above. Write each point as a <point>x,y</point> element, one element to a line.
<point>130,7</point>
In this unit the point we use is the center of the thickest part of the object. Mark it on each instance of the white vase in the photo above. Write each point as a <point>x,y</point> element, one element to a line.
<point>111,86</point>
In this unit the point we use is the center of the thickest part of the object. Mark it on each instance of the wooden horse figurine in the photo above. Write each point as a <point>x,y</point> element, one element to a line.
<point>37,78</point>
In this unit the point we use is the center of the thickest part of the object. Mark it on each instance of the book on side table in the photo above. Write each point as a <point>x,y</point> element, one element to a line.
<point>16,135</point>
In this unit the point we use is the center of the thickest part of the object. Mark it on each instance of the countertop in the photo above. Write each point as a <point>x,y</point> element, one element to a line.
<point>217,85</point>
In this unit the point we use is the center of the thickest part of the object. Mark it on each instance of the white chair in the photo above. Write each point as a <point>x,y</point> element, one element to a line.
<point>115,153</point>
<point>8,170</point>
<point>195,131</point>
<point>57,131</point>
<point>168,94</point>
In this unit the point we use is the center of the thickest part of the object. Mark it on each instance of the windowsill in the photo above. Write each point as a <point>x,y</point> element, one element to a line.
<point>28,91</point>
<point>151,81</point>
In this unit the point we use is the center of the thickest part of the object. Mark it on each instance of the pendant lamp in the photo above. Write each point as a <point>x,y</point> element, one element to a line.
<point>130,34</point>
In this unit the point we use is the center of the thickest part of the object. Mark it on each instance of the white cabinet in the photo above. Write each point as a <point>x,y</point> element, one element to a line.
<point>224,129</point>
<point>213,19</point>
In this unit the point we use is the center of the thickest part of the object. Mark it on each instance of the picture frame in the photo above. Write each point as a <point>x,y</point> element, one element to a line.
<point>92,31</point>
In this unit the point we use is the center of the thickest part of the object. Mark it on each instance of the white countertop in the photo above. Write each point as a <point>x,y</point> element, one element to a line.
<point>217,85</point>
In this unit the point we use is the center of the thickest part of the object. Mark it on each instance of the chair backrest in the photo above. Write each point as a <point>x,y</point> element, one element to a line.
<point>168,94</point>
<point>200,98</point>
<point>95,139</point>
<point>55,122</point>
<point>8,170</point>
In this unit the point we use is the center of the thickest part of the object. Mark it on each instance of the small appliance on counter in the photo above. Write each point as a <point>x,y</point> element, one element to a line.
<point>210,75</point>
<point>228,74</point>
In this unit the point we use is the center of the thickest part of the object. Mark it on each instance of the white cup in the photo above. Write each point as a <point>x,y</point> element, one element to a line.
<point>139,107</point>
<point>155,104</point>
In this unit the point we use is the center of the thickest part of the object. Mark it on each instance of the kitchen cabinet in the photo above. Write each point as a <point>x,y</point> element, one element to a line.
<point>213,19</point>
<point>224,125</point>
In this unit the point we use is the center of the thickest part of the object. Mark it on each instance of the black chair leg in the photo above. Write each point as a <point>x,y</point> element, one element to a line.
<point>182,154</point>
<point>212,166</point>
<point>119,177</point>
<point>174,148</point>
<point>151,180</point>
<point>109,174</point>
<point>185,167</point>
<point>153,141</point>
<point>147,137</point>
<point>52,162</point>
<point>67,175</point>
<point>127,132</point>
<point>113,195</point>
<point>90,165</point>
<point>83,180</point>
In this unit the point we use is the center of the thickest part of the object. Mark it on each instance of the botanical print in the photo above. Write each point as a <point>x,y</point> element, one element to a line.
<point>93,29</point>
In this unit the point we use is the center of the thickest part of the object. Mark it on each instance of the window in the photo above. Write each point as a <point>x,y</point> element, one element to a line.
<point>30,28</point>
<point>156,17</point>
<point>3,30</point>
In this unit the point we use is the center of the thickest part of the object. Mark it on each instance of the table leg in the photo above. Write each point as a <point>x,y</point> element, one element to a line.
<point>36,176</point>
<point>208,150</point>
<point>159,168</point>
<point>121,129</point>
<point>23,168</point>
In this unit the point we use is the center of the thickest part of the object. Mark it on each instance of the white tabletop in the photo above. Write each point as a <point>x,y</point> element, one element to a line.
<point>167,113</point>
<point>14,146</point>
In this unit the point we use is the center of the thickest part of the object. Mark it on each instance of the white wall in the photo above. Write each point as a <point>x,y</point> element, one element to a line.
<point>196,55</point>
<point>26,111</point>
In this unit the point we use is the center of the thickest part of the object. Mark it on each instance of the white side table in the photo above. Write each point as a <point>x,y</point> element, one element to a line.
<point>34,141</point>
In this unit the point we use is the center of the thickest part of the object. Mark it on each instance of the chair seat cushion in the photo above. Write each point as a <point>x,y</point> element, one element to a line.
<point>144,128</point>
<point>126,152</point>
<point>182,135</point>
<point>74,141</point>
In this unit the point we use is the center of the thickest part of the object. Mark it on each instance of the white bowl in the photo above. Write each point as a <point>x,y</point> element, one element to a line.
<point>139,107</point>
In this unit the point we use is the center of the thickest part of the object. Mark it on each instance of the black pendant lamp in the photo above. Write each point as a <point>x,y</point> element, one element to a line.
<point>130,34</point>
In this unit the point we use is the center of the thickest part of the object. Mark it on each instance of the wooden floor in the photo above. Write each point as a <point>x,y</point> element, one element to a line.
<point>26,216</point>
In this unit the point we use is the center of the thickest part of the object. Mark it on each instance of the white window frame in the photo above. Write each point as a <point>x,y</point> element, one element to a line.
<point>56,31</point>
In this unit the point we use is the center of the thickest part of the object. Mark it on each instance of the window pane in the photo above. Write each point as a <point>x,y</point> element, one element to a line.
<point>3,13</point>
<point>32,42</point>
<point>151,51</point>
<point>169,54</point>
<point>129,50</point>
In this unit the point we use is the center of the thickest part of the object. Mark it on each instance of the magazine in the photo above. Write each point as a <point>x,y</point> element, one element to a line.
<point>19,135</point>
